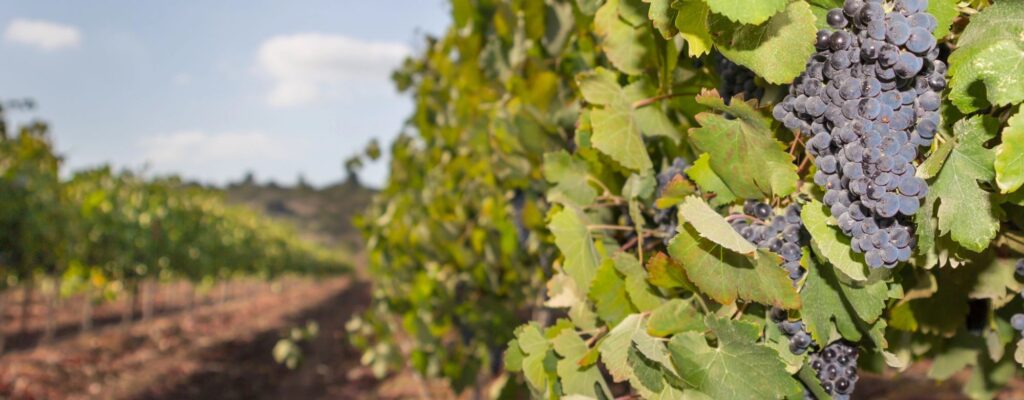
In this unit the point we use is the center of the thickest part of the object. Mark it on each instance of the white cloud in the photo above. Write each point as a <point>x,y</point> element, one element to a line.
<point>304,65</point>
<point>198,152</point>
<point>44,35</point>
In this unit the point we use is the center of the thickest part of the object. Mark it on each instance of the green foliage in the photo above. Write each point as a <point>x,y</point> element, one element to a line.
<point>596,131</point>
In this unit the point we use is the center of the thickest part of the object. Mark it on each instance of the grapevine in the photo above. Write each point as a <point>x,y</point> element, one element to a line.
<point>652,237</point>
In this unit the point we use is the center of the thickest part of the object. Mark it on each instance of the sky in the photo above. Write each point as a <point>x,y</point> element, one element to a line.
<point>212,89</point>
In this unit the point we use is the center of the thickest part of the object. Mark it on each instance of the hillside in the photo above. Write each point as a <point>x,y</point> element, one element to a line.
<point>322,214</point>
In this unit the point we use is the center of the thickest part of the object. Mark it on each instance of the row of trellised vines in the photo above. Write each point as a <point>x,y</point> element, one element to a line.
<point>855,207</point>
<point>101,233</point>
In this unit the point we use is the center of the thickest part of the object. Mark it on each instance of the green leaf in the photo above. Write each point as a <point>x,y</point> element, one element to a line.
<point>692,24</point>
<point>577,246</point>
<point>986,65</point>
<point>1019,354</point>
<point>674,192</point>
<point>615,348</point>
<point>742,150</point>
<point>584,381</point>
<point>935,161</point>
<point>820,9</point>
<point>725,275</point>
<point>710,225</point>
<point>709,181</point>
<point>831,243</point>
<point>747,12</point>
<point>1010,155</point>
<point>609,295</point>
<point>640,293</point>
<point>639,186</point>
<point>828,299</point>
<point>650,119</point>
<point>672,317</point>
<point>663,16</point>
<point>616,135</point>
<point>569,175</point>
<point>666,273</point>
<point>944,11</point>
<point>960,353</point>
<point>599,86</point>
<point>514,356</point>
<point>531,340</point>
<point>776,50</point>
<point>626,46</point>
<point>965,210</point>
<point>739,368</point>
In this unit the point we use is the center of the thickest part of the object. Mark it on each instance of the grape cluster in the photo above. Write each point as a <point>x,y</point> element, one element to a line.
<point>868,99</point>
<point>836,367</point>
<point>735,79</point>
<point>784,235</point>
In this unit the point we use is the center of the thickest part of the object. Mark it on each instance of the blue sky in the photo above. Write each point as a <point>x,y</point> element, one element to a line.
<point>211,89</point>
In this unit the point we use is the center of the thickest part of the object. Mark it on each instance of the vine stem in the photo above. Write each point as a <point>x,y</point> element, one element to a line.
<point>700,301</point>
<point>792,146</point>
<point>803,165</point>
<point>651,100</point>
<point>609,227</point>
<point>733,217</point>
<point>597,336</point>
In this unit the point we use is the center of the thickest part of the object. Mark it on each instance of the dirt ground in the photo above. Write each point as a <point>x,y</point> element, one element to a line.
<point>222,350</point>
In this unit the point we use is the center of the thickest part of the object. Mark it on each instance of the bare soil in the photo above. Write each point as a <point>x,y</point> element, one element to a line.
<point>222,350</point>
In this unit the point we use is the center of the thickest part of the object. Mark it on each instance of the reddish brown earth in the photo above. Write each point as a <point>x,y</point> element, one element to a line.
<point>223,351</point>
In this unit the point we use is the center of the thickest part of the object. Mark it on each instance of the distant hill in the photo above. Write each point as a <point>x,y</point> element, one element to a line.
<point>324,214</point>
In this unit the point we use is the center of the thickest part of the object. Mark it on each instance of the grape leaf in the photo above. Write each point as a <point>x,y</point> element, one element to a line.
<point>709,181</point>
<point>663,16</point>
<point>725,276</point>
<point>820,9</point>
<point>626,46</point>
<point>650,119</point>
<point>599,86</point>
<point>674,192</point>
<point>944,12</point>
<point>585,381</point>
<point>710,225</point>
<point>651,382</point>
<point>1010,155</point>
<point>1019,354</point>
<point>831,243</point>
<point>609,295</point>
<point>746,12</point>
<point>642,294</point>
<point>965,210</point>
<point>514,356</point>
<point>742,151</point>
<point>739,368</point>
<point>828,299</point>
<point>959,353</point>
<point>666,273</point>
<point>672,317</point>
<point>634,12</point>
<point>776,50</point>
<point>692,24</point>
<point>616,135</point>
<point>942,313</point>
<point>577,246</point>
<point>570,178</point>
<point>986,65</point>
<point>935,161</point>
